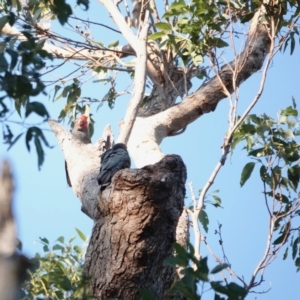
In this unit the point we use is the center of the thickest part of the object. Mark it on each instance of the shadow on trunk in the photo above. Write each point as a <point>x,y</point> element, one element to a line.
<point>139,213</point>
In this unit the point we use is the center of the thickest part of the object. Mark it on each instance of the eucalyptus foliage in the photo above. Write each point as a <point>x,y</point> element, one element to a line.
<point>57,274</point>
<point>273,145</point>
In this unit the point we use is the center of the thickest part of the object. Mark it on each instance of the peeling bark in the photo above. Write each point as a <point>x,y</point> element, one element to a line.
<point>139,213</point>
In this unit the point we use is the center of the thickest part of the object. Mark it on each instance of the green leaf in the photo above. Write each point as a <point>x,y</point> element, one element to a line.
<point>113,44</point>
<point>284,236</point>
<point>179,249</point>
<point>246,173</point>
<point>248,128</point>
<point>45,248</point>
<point>91,129</point>
<point>203,218</point>
<point>295,247</point>
<point>292,42</point>
<point>282,198</point>
<point>177,4</point>
<point>173,261</point>
<point>65,284</point>
<point>18,105</point>
<point>297,263</point>
<point>263,173</point>
<point>156,35</point>
<point>294,103</point>
<point>57,247</point>
<point>3,21</point>
<point>197,59</point>
<point>61,239</point>
<point>289,111</point>
<point>62,10</point>
<point>42,137</point>
<point>186,285</point>
<point>294,176</point>
<point>74,95</point>
<point>171,13</point>
<point>287,134</point>
<point>265,151</point>
<point>3,63</point>
<point>163,26</point>
<point>40,151</point>
<point>44,240</point>
<point>218,297</point>
<point>56,89</point>
<point>28,137</point>
<point>181,257</point>
<point>84,2</point>
<point>183,21</point>
<point>232,290</point>
<point>37,107</point>
<point>202,269</point>
<point>147,294</point>
<point>217,42</point>
<point>81,235</point>
<point>219,268</point>
<point>217,201</point>
<point>66,90</point>
<point>285,255</point>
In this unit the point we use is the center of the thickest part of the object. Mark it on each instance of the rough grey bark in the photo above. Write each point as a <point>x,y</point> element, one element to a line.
<point>12,265</point>
<point>139,213</point>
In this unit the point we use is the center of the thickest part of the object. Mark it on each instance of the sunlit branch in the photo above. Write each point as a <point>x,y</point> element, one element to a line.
<point>139,83</point>
<point>121,23</point>
<point>194,215</point>
<point>154,9</point>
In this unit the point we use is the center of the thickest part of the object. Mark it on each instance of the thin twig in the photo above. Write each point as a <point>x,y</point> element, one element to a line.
<point>95,23</point>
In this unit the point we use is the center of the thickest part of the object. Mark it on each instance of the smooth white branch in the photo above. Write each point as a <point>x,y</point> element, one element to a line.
<point>121,23</point>
<point>139,85</point>
<point>149,132</point>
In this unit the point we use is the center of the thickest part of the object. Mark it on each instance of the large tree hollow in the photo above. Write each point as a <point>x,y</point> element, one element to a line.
<point>139,213</point>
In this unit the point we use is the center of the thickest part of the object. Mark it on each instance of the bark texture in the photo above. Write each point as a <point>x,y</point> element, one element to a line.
<point>137,218</point>
<point>139,213</point>
<point>12,265</point>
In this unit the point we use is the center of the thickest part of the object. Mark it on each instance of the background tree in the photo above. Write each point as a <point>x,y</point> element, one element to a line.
<point>173,60</point>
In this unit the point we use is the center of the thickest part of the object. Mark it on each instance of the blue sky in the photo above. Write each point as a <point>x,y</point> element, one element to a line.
<point>46,207</point>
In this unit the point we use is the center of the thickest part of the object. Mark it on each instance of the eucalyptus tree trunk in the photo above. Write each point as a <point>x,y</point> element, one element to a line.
<point>140,211</point>
<point>137,218</point>
<point>140,215</point>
